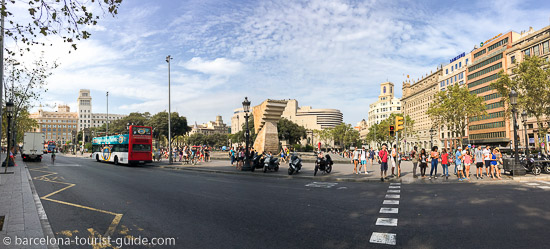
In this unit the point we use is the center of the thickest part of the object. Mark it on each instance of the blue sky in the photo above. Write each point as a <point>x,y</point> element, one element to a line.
<point>327,54</point>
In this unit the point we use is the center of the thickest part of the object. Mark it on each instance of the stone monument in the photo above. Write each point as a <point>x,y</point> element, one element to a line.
<point>266,117</point>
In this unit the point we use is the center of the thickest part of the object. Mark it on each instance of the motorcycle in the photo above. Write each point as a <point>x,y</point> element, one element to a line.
<point>531,166</point>
<point>271,163</point>
<point>544,161</point>
<point>324,164</point>
<point>257,161</point>
<point>295,164</point>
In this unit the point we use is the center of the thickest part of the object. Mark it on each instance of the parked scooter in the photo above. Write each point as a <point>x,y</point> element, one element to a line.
<point>257,161</point>
<point>543,161</point>
<point>271,163</point>
<point>531,166</point>
<point>295,164</point>
<point>324,164</point>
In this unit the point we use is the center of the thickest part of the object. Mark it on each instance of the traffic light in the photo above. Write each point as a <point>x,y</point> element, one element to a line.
<point>398,123</point>
<point>392,131</point>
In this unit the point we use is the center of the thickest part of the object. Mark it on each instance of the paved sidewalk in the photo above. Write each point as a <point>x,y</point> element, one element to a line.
<point>340,172</point>
<point>19,203</point>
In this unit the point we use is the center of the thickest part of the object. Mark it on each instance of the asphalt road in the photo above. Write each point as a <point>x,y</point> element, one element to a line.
<point>204,210</point>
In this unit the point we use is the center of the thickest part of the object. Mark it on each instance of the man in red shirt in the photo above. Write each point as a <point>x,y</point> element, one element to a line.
<point>384,162</point>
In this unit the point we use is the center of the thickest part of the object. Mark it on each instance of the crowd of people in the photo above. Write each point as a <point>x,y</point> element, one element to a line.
<point>463,160</point>
<point>185,153</point>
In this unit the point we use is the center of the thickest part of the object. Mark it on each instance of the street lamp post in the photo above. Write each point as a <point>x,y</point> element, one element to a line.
<point>246,108</point>
<point>9,114</point>
<point>168,58</point>
<point>514,101</point>
<point>432,131</point>
<point>107,131</point>
<point>524,119</point>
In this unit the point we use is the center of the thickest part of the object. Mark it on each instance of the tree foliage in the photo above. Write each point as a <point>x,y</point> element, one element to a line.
<point>453,107</point>
<point>345,135</point>
<point>531,80</point>
<point>214,140</point>
<point>288,130</point>
<point>379,133</point>
<point>68,19</point>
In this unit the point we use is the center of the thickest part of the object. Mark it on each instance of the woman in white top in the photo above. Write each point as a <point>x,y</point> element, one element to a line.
<point>363,160</point>
<point>355,160</point>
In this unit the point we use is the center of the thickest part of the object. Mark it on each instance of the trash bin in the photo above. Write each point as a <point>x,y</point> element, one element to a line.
<point>512,167</point>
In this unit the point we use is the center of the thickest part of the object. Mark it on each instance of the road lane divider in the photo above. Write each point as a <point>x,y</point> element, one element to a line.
<point>393,193</point>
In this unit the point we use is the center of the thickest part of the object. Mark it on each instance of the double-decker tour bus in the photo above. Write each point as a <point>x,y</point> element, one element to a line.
<point>49,146</point>
<point>132,148</point>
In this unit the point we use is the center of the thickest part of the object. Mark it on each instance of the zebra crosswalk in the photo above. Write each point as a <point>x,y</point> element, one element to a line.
<point>539,184</point>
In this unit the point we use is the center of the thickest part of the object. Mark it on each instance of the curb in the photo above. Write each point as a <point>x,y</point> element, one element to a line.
<point>324,179</point>
<point>44,222</point>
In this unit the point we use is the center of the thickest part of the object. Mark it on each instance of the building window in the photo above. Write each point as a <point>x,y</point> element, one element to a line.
<point>456,66</point>
<point>513,59</point>
<point>447,71</point>
<point>384,89</point>
<point>460,64</point>
<point>398,108</point>
<point>527,52</point>
<point>545,48</point>
<point>536,50</point>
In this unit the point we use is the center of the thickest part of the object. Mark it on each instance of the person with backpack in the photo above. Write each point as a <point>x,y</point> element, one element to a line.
<point>414,159</point>
<point>423,162</point>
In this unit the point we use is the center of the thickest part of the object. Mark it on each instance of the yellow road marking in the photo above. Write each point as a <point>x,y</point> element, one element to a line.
<point>45,178</point>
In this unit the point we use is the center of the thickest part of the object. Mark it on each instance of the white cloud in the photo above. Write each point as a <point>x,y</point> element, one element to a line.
<point>218,66</point>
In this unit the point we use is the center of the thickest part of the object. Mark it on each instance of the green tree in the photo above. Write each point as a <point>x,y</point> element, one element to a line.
<point>159,122</point>
<point>325,136</point>
<point>291,131</point>
<point>345,135</point>
<point>531,80</point>
<point>453,107</point>
<point>68,19</point>
<point>239,137</point>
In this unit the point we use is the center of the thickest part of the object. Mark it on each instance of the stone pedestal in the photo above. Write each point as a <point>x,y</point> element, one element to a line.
<point>266,117</point>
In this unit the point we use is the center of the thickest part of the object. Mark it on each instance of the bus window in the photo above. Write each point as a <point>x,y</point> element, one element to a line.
<point>141,147</point>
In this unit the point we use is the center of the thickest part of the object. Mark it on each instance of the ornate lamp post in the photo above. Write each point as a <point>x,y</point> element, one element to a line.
<point>432,132</point>
<point>524,119</point>
<point>9,113</point>
<point>246,108</point>
<point>514,101</point>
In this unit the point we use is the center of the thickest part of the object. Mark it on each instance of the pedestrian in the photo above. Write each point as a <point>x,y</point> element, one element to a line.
<point>371,156</point>
<point>383,154</point>
<point>478,159</point>
<point>487,158</point>
<point>398,162</point>
<point>434,155</point>
<point>498,156</point>
<point>445,163</point>
<point>467,162</point>
<point>414,159</point>
<point>363,161</point>
<point>393,159</point>
<point>232,155</point>
<point>423,163</point>
<point>458,163</point>
<point>283,155</point>
<point>355,160</point>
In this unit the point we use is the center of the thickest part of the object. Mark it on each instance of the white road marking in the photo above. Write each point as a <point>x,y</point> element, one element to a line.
<point>544,187</point>
<point>389,210</point>
<point>395,186</point>
<point>545,182</point>
<point>383,238</point>
<point>390,222</point>
<point>532,184</point>
<point>391,202</point>
<point>321,184</point>
<point>342,187</point>
<point>393,196</point>
<point>394,191</point>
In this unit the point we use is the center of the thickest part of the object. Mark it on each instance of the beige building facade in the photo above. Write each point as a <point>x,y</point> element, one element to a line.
<point>212,127</point>
<point>312,119</point>
<point>453,73</point>
<point>88,119</point>
<point>58,125</point>
<point>530,43</point>
<point>416,99</point>
<point>386,104</point>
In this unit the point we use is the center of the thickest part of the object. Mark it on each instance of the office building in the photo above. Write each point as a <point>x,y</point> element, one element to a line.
<point>211,127</point>
<point>58,125</point>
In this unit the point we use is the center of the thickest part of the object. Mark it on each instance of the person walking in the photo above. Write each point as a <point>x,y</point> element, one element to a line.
<point>363,161</point>
<point>434,155</point>
<point>383,154</point>
<point>445,163</point>
<point>414,159</point>
<point>487,158</point>
<point>458,162</point>
<point>355,160</point>
<point>393,159</point>
<point>499,163</point>
<point>423,162</point>
<point>371,156</point>
<point>467,162</point>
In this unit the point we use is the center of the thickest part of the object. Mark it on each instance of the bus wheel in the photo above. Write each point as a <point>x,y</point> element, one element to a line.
<point>97,158</point>
<point>116,160</point>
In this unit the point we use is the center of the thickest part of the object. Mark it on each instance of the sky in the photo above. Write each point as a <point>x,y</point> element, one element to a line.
<point>325,54</point>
